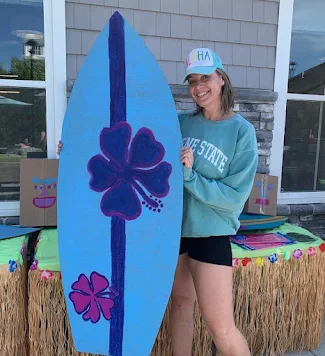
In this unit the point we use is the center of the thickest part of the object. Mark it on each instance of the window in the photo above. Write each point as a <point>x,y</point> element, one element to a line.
<point>21,39</point>
<point>32,88</point>
<point>298,153</point>
<point>23,131</point>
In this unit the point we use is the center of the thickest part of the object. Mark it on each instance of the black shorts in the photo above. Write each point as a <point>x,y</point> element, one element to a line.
<point>214,249</point>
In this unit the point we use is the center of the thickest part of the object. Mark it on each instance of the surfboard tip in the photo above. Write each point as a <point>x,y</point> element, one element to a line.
<point>116,15</point>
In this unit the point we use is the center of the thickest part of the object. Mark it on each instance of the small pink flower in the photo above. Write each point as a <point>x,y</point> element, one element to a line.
<point>297,254</point>
<point>235,262</point>
<point>311,251</point>
<point>93,297</point>
<point>34,266</point>
<point>46,275</point>
<point>23,249</point>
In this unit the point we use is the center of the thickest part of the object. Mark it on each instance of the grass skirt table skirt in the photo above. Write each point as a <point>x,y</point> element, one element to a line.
<point>13,298</point>
<point>278,307</point>
<point>278,303</point>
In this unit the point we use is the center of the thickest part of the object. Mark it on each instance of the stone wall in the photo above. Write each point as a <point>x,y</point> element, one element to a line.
<point>307,216</point>
<point>10,220</point>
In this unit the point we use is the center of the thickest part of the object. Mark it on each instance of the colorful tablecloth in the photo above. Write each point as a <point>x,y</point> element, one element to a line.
<point>47,253</point>
<point>287,251</point>
<point>13,249</point>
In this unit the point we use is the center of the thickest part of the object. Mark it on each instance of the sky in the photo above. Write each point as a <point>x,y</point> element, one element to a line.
<point>308,34</point>
<point>17,15</point>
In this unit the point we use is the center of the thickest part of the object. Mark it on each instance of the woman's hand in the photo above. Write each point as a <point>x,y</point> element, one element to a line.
<point>187,157</point>
<point>59,147</point>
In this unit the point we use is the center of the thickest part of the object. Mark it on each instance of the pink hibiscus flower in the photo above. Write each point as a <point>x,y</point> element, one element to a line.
<point>46,275</point>
<point>92,297</point>
<point>235,262</point>
<point>311,251</point>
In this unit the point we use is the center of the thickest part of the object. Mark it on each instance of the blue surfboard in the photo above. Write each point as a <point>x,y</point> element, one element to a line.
<point>119,196</point>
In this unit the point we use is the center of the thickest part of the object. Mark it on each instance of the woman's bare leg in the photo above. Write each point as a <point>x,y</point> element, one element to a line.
<point>213,285</point>
<point>182,309</point>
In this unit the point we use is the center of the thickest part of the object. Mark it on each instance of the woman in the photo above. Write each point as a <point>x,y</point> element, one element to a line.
<point>220,161</point>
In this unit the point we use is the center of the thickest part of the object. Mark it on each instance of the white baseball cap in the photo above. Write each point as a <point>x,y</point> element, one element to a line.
<point>202,61</point>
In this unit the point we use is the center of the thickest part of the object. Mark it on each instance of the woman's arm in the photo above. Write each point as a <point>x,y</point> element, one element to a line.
<point>229,193</point>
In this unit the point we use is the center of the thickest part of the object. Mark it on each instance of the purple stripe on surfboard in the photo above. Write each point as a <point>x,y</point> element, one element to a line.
<point>116,45</point>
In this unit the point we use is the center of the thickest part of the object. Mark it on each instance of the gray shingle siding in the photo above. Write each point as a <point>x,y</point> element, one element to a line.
<point>242,32</point>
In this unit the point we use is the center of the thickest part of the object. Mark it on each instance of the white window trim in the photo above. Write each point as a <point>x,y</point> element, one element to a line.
<point>281,87</point>
<point>55,85</point>
<point>22,83</point>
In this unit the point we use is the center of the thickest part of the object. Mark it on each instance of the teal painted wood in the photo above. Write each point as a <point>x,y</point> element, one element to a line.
<point>119,196</point>
<point>9,231</point>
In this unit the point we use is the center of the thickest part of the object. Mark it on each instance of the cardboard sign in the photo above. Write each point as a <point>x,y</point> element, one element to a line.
<point>38,192</point>
<point>263,198</point>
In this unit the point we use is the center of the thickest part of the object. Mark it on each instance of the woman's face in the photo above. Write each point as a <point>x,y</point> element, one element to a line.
<point>206,89</point>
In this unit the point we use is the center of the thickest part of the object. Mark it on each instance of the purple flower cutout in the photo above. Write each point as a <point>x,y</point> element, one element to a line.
<point>34,266</point>
<point>23,249</point>
<point>129,169</point>
<point>92,297</point>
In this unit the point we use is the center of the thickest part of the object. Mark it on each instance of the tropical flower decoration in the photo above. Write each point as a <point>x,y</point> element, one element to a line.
<point>34,265</point>
<point>259,261</point>
<point>12,266</point>
<point>311,251</point>
<point>23,249</point>
<point>322,247</point>
<point>129,170</point>
<point>93,297</point>
<point>286,255</point>
<point>46,275</point>
<point>235,262</point>
<point>297,254</point>
<point>273,258</point>
<point>246,261</point>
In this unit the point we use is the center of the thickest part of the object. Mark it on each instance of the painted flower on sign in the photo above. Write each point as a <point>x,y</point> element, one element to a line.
<point>128,170</point>
<point>93,297</point>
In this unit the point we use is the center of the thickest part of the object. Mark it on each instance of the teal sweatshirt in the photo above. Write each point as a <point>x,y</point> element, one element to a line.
<point>220,181</point>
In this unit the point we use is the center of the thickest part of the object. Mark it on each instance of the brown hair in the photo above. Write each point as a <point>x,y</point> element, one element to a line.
<point>227,95</point>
